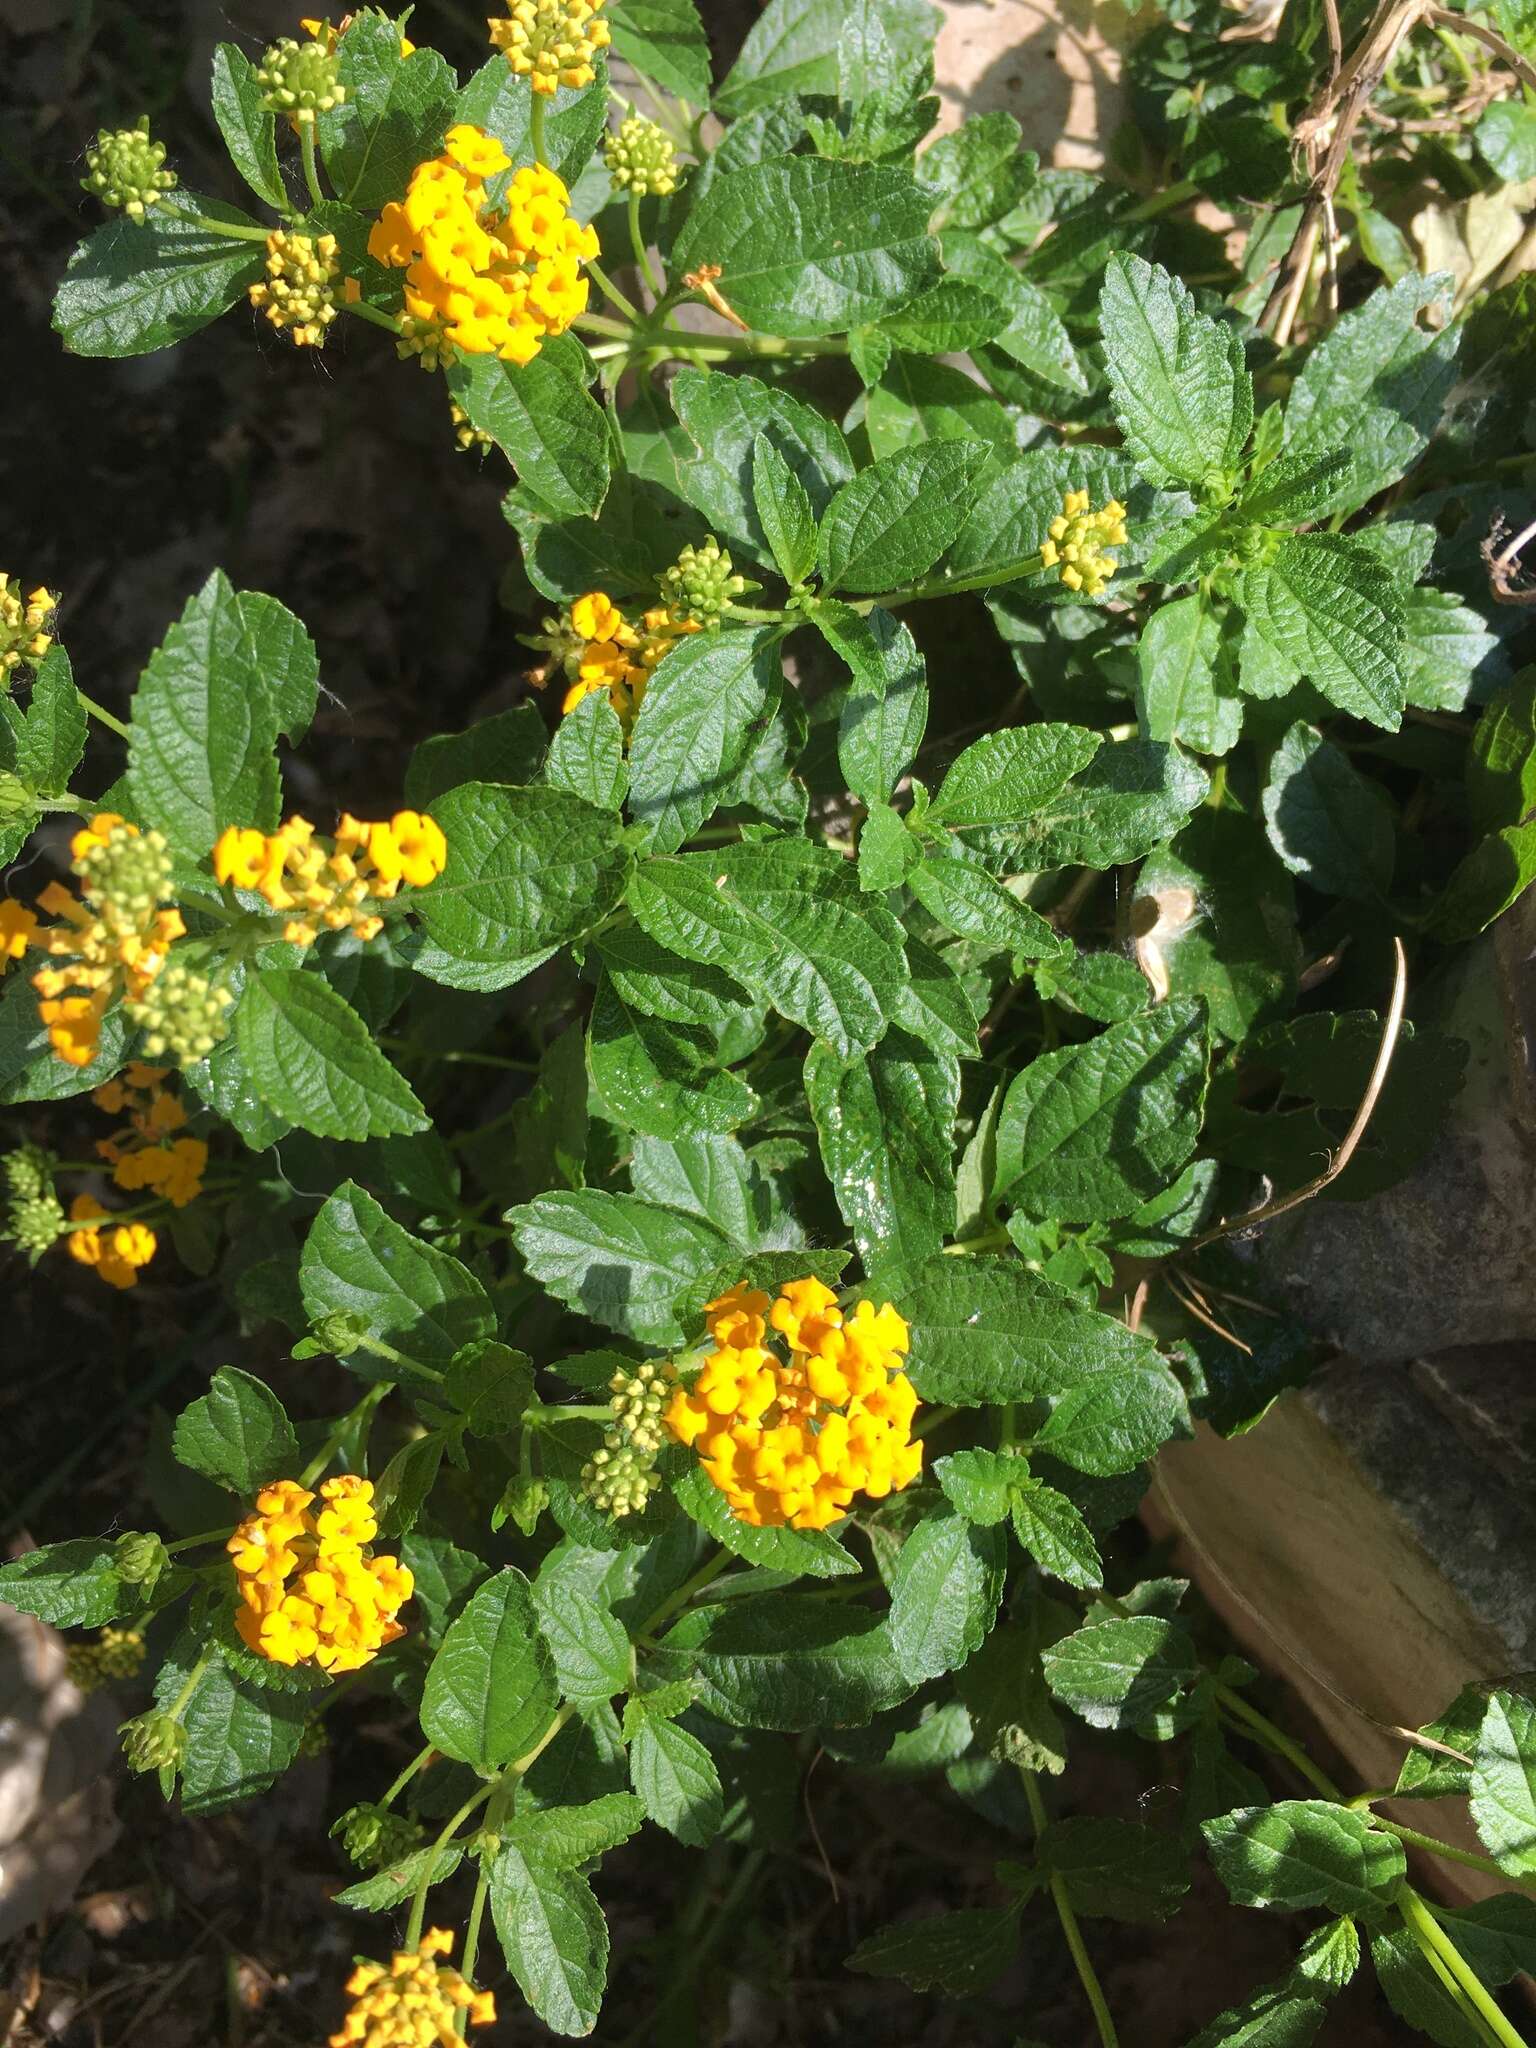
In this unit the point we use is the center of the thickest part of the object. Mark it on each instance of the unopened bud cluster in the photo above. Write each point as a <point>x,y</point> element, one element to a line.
<point>182,1015</point>
<point>153,1742</point>
<point>551,42</point>
<point>116,1654</point>
<point>35,1219</point>
<point>125,169</point>
<point>466,433</point>
<point>639,1402</point>
<point>300,79</point>
<point>140,1557</point>
<point>373,1836</point>
<point>640,158</point>
<point>298,292</point>
<point>24,623</point>
<point>619,1478</point>
<point>129,869</point>
<point>700,584</point>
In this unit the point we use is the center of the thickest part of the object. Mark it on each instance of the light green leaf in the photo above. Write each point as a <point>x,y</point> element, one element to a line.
<point>793,48</point>
<point>248,128</point>
<point>506,747</point>
<point>945,1589</point>
<point>395,115</point>
<point>528,870</point>
<point>590,1646</point>
<point>237,1434</point>
<point>1177,693</point>
<point>886,709</point>
<point>1503,1788</point>
<point>808,246</point>
<point>133,287</point>
<point>658,1077</point>
<point>1090,1131</point>
<point>395,1885</point>
<point>1113,1421</point>
<point>648,977</point>
<point>917,399</point>
<point>491,1692</point>
<point>566,1836</point>
<point>1012,512</point>
<point>1131,797</point>
<point>977,173</point>
<point>1006,777</point>
<point>1053,1532</point>
<point>1305,1852</point>
<point>981,1484</point>
<point>888,852</point>
<point>789,917</point>
<point>886,1123</point>
<point>786,1661</point>
<point>52,736</point>
<point>897,517</point>
<point>1114,1673</point>
<point>675,1776</point>
<point>553,1936</point>
<point>949,318</point>
<point>710,1177</point>
<point>1326,608</point>
<point>586,755</point>
<point>545,421</point>
<point>1325,820</point>
<point>71,1585</point>
<point>313,1062</point>
<point>784,512</point>
<point>964,896</point>
<point>665,39</point>
<point>358,1261</point>
<point>282,652</point>
<point>1182,397</point>
<point>1295,488</point>
<point>934,1006</point>
<point>1506,140</point>
<point>623,1262</point>
<point>704,710</point>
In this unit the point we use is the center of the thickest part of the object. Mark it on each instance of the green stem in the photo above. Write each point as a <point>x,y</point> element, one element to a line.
<point>356,1413</point>
<point>465,1059</point>
<point>610,290</point>
<point>190,1685</point>
<point>1260,1726</point>
<point>416,1763</point>
<point>361,310</point>
<point>1164,201</point>
<point>685,1592</point>
<point>108,718</point>
<point>984,1241</point>
<point>742,344</point>
<point>1427,1930</point>
<point>423,1883</point>
<point>637,242</point>
<point>311,169</point>
<point>1433,1846</point>
<point>232,230</point>
<point>952,586</point>
<point>192,1542</point>
<point>1083,1962</point>
<point>472,1939</point>
<point>536,130</point>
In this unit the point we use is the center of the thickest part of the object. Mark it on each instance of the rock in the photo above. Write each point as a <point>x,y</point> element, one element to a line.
<point>1055,69</point>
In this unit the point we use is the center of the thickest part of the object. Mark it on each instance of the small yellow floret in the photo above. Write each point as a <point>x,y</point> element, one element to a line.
<point>414,2002</point>
<point>551,42</point>
<point>1077,540</point>
<point>310,1591</point>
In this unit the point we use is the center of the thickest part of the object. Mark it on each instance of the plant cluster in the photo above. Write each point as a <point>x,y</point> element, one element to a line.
<point>766,1370</point>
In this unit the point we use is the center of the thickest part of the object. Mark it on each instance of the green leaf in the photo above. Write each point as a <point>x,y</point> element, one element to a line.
<point>586,755</point>
<point>703,711</point>
<point>566,1836</point>
<point>710,1177</point>
<point>1431,1774</point>
<point>1117,1869</point>
<point>977,173</point>
<point>787,1661</point>
<point>1114,1421</point>
<point>1305,1852</point>
<point>665,39</point>
<point>358,1261</point>
<point>965,897</point>
<point>133,287</point>
<point>1276,2017</point>
<point>934,1006</point>
<point>395,1885</point>
<point>981,1484</point>
<point>951,317</point>
<point>888,852</point>
<point>237,1434</point>
<point>52,737</point>
<point>946,1586</point>
<point>885,712</point>
<point>1112,1674</point>
<point>658,1077</point>
<point>1325,820</point>
<point>545,421</point>
<point>960,1954</point>
<point>650,978</point>
<point>1326,608</point>
<point>71,1585</point>
<point>1219,921</point>
<point>1053,1532</point>
<point>490,1385</point>
<point>618,1260</point>
<point>784,512</point>
<point>1295,488</point>
<point>676,1778</point>
<point>30,1070</point>
<point>491,1691</point>
<point>240,1737</point>
<point>1506,140</point>
<point>1005,777</point>
<point>395,115</point>
<point>724,417</point>
<point>590,1646</point>
<point>918,400</point>
<point>1131,797</point>
<point>1013,511</point>
<point>1182,398</point>
<point>282,652</point>
<point>248,128</point>
<point>528,870</point>
<point>808,246</point>
<point>815,1553</point>
<point>793,48</point>
<point>1503,1787</point>
<point>506,747</point>
<point>312,1060</point>
<point>885,1122</point>
<point>1497,1936</point>
<point>204,726</point>
<point>1090,1131</point>
<point>895,519</point>
<point>789,917</point>
<point>1418,1994</point>
<point>1177,694</point>
<point>553,1936</point>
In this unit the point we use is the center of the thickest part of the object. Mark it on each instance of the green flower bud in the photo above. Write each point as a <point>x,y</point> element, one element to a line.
<point>639,1401</point>
<point>116,1654</point>
<point>182,1015</point>
<point>373,1836</point>
<point>36,1224</point>
<point>467,435</point>
<point>140,1557</point>
<point>155,1741</point>
<point>29,1172</point>
<point>524,1500</point>
<point>128,873</point>
<point>700,584</point>
<point>618,1479</point>
<point>300,79</point>
<point>640,158</point>
<point>124,169</point>
<point>298,292</point>
<point>339,1334</point>
<point>314,1741</point>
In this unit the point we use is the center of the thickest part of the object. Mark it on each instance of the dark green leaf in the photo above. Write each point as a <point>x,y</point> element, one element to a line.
<point>137,286</point>
<point>897,517</point>
<point>1114,1673</point>
<point>246,125</point>
<point>1182,397</point>
<point>491,1690</point>
<point>553,1936</point>
<point>886,709</point>
<point>546,423</point>
<point>786,1661</point>
<point>946,1585</point>
<point>237,1434</point>
<point>675,1776</point>
<point>1325,608</point>
<point>664,39</point>
<point>313,1062</point>
<point>621,1261</point>
<point>1129,798</point>
<point>506,747</point>
<point>1117,1869</point>
<point>71,1585</point>
<point>703,711</point>
<point>958,1953</point>
<point>395,115</point>
<point>1326,821</point>
<point>52,738</point>
<point>1055,1534</point>
<point>784,512</point>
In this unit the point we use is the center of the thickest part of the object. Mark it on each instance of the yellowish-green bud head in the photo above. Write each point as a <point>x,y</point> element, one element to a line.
<point>36,1224</point>
<point>639,1401</point>
<point>140,1557</point>
<point>641,159</point>
<point>298,293</point>
<point>1077,540</point>
<point>618,1479</point>
<point>300,79</point>
<point>116,1654</point>
<point>127,873</point>
<point>153,1742</point>
<point>182,1015</point>
<point>466,433</point>
<point>124,168</point>
<point>700,584</point>
<point>25,621</point>
<point>29,1172</point>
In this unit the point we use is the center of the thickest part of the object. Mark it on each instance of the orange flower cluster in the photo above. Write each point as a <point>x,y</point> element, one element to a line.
<point>310,1592</point>
<point>415,2003</point>
<point>792,1440</point>
<point>137,1153</point>
<point>596,648</point>
<point>486,279</point>
<point>116,1254</point>
<point>115,941</point>
<point>329,882</point>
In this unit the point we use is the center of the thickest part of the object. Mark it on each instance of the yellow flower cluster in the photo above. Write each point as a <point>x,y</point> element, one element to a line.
<point>310,1592</point>
<point>596,648</point>
<point>115,941</point>
<point>1078,539</point>
<point>115,1254</point>
<point>490,280</point>
<point>24,623</point>
<point>117,1653</point>
<point>793,1440</point>
<point>414,2003</point>
<point>137,1153</point>
<point>298,292</point>
<point>551,42</point>
<point>328,883</point>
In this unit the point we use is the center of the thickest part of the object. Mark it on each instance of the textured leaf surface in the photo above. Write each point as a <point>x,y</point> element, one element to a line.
<point>1182,397</point>
<point>554,1938</point>
<point>703,712</point>
<point>897,517</point>
<point>1325,820</point>
<point>1326,609</point>
<point>1305,1852</point>
<point>623,1262</point>
<point>313,1062</point>
<point>945,1589</point>
<point>787,1662</point>
<point>133,287</point>
<point>237,1434</point>
<point>358,1261</point>
<point>545,421</point>
<point>491,1689</point>
<point>675,1776</point>
<point>885,711</point>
